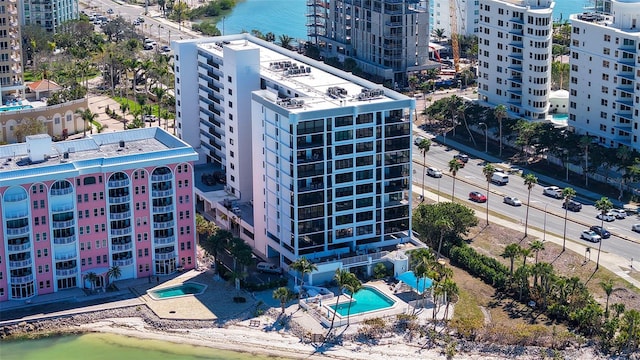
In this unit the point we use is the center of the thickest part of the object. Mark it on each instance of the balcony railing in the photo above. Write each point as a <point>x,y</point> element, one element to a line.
<point>120,216</point>
<point>63,191</point>
<point>118,232</point>
<point>123,262</point>
<point>118,183</point>
<point>64,240</point>
<point>123,247</point>
<point>15,198</point>
<point>65,257</point>
<point>16,215</point>
<point>166,256</point>
<point>18,231</point>
<point>66,272</point>
<point>63,224</point>
<point>61,208</point>
<point>119,199</point>
<point>19,248</point>
<point>163,177</point>
<point>163,209</point>
<point>22,279</point>
<point>162,193</point>
<point>163,224</point>
<point>20,263</point>
<point>164,240</point>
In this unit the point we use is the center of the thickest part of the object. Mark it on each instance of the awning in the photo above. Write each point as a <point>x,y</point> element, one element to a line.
<point>418,286</point>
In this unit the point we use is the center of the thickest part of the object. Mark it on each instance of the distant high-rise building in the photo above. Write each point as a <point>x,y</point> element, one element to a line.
<point>387,38</point>
<point>11,79</point>
<point>514,57</point>
<point>319,158</point>
<point>467,12</point>
<point>604,85</point>
<point>48,14</point>
<point>74,208</point>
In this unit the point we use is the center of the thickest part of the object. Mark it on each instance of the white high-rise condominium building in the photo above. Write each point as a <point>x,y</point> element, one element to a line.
<point>604,96</point>
<point>387,38</point>
<point>48,14</point>
<point>514,68</point>
<point>323,156</point>
<point>467,16</point>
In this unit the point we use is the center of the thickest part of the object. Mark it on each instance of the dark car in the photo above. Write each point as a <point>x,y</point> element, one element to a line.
<point>462,157</point>
<point>572,205</point>
<point>604,233</point>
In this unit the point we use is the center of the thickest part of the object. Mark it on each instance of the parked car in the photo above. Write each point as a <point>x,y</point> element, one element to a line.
<point>265,267</point>
<point>462,157</point>
<point>608,217</point>
<point>619,213</point>
<point>572,205</point>
<point>635,227</point>
<point>147,47</point>
<point>477,196</point>
<point>433,172</point>
<point>590,235</point>
<point>165,48</point>
<point>553,191</point>
<point>604,233</point>
<point>109,11</point>
<point>513,201</point>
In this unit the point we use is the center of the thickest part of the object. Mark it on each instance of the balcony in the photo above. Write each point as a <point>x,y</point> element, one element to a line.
<point>20,263</point>
<point>118,232</point>
<point>163,177</point>
<point>163,209</point>
<point>16,215</point>
<point>66,272</point>
<point>18,231</point>
<point>15,198</point>
<point>63,191</point>
<point>119,199</point>
<point>161,193</point>
<point>63,224</point>
<point>120,216</point>
<point>163,225</point>
<point>166,256</point>
<point>123,262</point>
<point>61,208</point>
<point>164,240</point>
<point>64,240</point>
<point>22,279</point>
<point>118,183</point>
<point>122,247</point>
<point>65,257</point>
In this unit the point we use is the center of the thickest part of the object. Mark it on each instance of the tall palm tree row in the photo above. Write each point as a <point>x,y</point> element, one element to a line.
<point>530,181</point>
<point>603,205</point>
<point>568,194</point>
<point>424,145</point>
<point>454,167</point>
<point>488,171</point>
<point>500,112</point>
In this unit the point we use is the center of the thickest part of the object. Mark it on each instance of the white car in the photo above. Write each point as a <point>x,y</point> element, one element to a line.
<point>590,236</point>
<point>619,213</point>
<point>635,227</point>
<point>433,172</point>
<point>608,217</point>
<point>553,191</point>
<point>513,201</point>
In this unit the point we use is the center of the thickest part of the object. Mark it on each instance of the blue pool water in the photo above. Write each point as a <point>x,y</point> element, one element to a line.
<point>15,107</point>
<point>560,117</point>
<point>365,300</point>
<point>190,288</point>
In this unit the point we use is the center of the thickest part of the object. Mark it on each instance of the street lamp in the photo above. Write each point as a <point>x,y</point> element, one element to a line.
<point>486,142</point>
<point>566,152</point>
<point>439,188</point>
<point>544,228</point>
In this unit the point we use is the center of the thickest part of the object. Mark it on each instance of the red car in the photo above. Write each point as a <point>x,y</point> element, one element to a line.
<point>477,197</point>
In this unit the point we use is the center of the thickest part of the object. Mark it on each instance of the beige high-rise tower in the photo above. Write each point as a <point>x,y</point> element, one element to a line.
<point>11,79</point>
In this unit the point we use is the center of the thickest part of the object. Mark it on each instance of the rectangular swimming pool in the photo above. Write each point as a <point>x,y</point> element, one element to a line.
<point>190,288</point>
<point>366,300</point>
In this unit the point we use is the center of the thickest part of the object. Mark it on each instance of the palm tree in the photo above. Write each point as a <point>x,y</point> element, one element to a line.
<point>87,117</point>
<point>303,266</point>
<point>607,286</point>
<point>342,277</point>
<point>525,253</point>
<point>450,289</point>
<point>511,252</point>
<point>285,41</point>
<point>124,107</point>
<point>454,167</point>
<point>283,294</point>
<point>568,194</point>
<point>585,142</point>
<point>488,171</point>
<point>530,181</point>
<point>603,205</point>
<point>500,112</point>
<point>536,247</point>
<point>353,286</point>
<point>424,145</point>
<point>159,92</point>
<point>114,272</point>
<point>92,278</point>
<point>444,225</point>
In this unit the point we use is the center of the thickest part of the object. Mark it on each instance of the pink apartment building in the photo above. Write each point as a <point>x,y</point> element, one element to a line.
<point>73,210</point>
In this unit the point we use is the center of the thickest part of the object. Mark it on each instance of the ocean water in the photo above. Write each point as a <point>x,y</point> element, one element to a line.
<point>288,17</point>
<point>99,346</point>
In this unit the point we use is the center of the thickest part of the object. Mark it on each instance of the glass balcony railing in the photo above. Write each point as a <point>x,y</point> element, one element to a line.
<point>21,279</point>
<point>20,263</point>
<point>164,240</point>
<point>66,272</point>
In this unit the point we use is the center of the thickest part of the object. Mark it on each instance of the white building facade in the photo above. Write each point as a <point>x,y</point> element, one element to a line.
<point>514,69</point>
<point>48,14</point>
<point>324,157</point>
<point>467,16</point>
<point>387,38</point>
<point>604,93</point>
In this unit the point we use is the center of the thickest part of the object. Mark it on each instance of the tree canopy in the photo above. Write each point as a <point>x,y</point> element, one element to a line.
<point>426,219</point>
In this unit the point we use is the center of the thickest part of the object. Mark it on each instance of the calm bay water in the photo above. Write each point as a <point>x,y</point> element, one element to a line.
<point>288,17</point>
<point>109,346</point>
